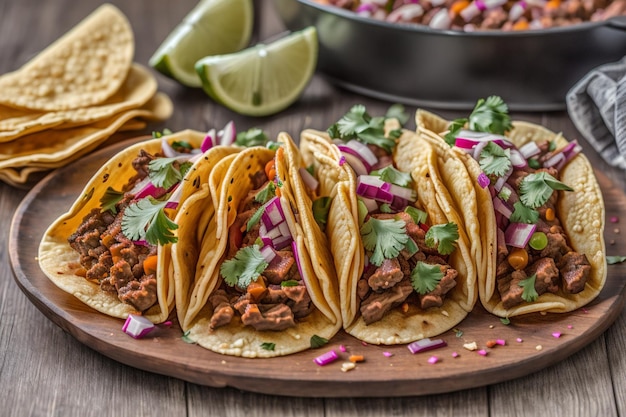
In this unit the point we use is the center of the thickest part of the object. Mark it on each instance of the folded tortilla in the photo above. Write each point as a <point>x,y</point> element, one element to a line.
<point>230,183</point>
<point>338,181</point>
<point>581,214</point>
<point>61,263</point>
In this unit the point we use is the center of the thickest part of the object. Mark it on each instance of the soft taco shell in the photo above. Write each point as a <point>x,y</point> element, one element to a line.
<point>229,184</point>
<point>581,213</point>
<point>60,262</point>
<point>339,182</point>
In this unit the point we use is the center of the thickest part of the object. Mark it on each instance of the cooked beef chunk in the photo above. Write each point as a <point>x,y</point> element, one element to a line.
<point>557,246</point>
<point>282,268</point>
<point>278,317</point>
<point>299,300</point>
<point>222,311</point>
<point>140,294</point>
<point>547,275</point>
<point>374,307</point>
<point>362,289</point>
<point>510,290</point>
<point>447,282</point>
<point>575,269</point>
<point>386,275</point>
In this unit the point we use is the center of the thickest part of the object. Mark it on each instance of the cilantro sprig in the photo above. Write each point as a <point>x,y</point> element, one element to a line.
<point>246,267</point>
<point>425,277</point>
<point>490,115</point>
<point>494,160</point>
<point>394,176</point>
<point>110,199</point>
<point>165,172</point>
<point>536,188</point>
<point>251,137</point>
<point>384,238</point>
<point>443,236</point>
<point>146,220</point>
<point>529,294</point>
<point>523,214</point>
<point>358,124</point>
<point>317,341</point>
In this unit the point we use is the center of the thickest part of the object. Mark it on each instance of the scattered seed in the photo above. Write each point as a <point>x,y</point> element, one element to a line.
<point>569,326</point>
<point>614,219</point>
<point>491,326</point>
<point>519,340</point>
<point>347,366</point>
<point>470,346</point>
<point>538,347</point>
<point>616,231</point>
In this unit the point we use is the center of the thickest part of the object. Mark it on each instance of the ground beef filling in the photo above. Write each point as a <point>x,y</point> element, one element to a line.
<point>112,260</point>
<point>265,304</point>
<point>556,266</point>
<point>387,286</point>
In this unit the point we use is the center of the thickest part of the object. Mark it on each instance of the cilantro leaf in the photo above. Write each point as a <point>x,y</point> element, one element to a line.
<point>384,238</point>
<point>187,339</point>
<point>146,219</point>
<point>358,124</point>
<point>251,137</point>
<point>425,277</point>
<point>266,193</point>
<point>523,214</point>
<point>505,194</point>
<point>157,134</point>
<point>490,115</point>
<point>255,218</point>
<point>397,111</point>
<point>494,160</point>
<point>317,341</point>
<point>182,144</point>
<point>444,236</point>
<point>268,346</point>
<point>245,267</point>
<point>453,130</point>
<point>362,211</point>
<point>385,208</point>
<point>529,294</point>
<point>165,172</point>
<point>505,320</point>
<point>615,259</point>
<point>394,176</point>
<point>321,207</point>
<point>416,214</point>
<point>536,188</point>
<point>110,198</point>
<point>289,283</point>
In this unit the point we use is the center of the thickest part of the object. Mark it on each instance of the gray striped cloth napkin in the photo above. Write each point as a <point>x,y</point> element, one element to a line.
<point>597,107</point>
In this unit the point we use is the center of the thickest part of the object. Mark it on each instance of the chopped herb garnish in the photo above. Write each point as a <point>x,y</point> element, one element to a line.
<point>442,236</point>
<point>615,259</point>
<point>273,145</point>
<point>317,341</point>
<point>147,220</point>
<point>490,115</point>
<point>425,277</point>
<point>411,247</point>
<point>505,320</point>
<point>266,193</point>
<point>551,145</point>
<point>158,135</point>
<point>358,124</point>
<point>385,208</point>
<point>453,130</point>
<point>289,283</point>
<point>529,294</point>
<point>536,188</point>
<point>311,169</point>
<point>394,176</point>
<point>416,214</point>
<point>534,163</point>
<point>268,346</point>
<point>397,111</point>
<point>494,160</point>
<point>251,137</point>
<point>165,172</point>
<point>245,267</point>
<point>182,144</point>
<point>458,332</point>
<point>523,214</point>
<point>384,238</point>
<point>110,198</point>
<point>186,337</point>
<point>505,194</point>
<point>255,218</point>
<point>321,207</point>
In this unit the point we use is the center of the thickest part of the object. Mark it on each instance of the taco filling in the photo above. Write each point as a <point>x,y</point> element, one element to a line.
<point>534,255</point>
<point>406,259</point>
<point>118,241</point>
<point>261,278</point>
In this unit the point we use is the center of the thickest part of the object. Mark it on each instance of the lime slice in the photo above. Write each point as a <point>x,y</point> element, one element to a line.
<point>213,27</point>
<point>263,79</point>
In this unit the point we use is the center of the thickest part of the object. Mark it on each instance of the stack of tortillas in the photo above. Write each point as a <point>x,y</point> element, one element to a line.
<point>73,96</point>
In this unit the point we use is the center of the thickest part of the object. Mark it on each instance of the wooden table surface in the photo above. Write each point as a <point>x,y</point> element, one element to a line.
<point>46,372</point>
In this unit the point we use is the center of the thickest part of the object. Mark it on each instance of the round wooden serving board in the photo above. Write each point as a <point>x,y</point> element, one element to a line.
<point>164,351</point>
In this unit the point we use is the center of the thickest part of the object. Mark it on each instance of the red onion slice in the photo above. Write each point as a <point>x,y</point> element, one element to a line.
<point>518,234</point>
<point>426,344</point>
<point>137,326</point>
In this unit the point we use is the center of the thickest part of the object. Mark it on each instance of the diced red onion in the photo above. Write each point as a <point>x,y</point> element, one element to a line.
<point>355,163</point>
<point>167,149</point>
<point>309,180</point>
<point>149,189</point>
<point>426,344</point>
<point>530,149</point>
<point>326,358</point>
<point>268,253</point>
<point>266,240</point>
<point>364,151</point>
<point>483,180</point>
<point>365,8</point>
<point>370,203</point>
<point>518,234</point>
<point>502,180</point>
<point>227,135</point>
<point>441,19</point>
<point>141,242</point>
<point>478,150</point>
<point>405,13</point>
<point>403,192</point>
<point>399,203</point>
<point>209,140</point>
<point>137,326</point>
<point>273,213</point>
<point>342,160</point>
<point>517,159</point>
<point>281,242</point>
<point>284,229</point>
<point>502,207</point>
<point>554,160</point>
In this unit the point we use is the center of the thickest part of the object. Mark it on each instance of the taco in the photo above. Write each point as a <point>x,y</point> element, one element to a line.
<point>267,285</point>
<point>405,271</point>
<point>540,210</point>
<point>112,248</point>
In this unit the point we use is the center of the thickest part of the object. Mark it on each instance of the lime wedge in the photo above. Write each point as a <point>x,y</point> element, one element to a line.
<point>213,27</point>
<point>263,79</point>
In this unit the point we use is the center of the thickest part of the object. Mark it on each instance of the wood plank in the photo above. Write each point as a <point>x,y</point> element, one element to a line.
<point>616,346</point>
